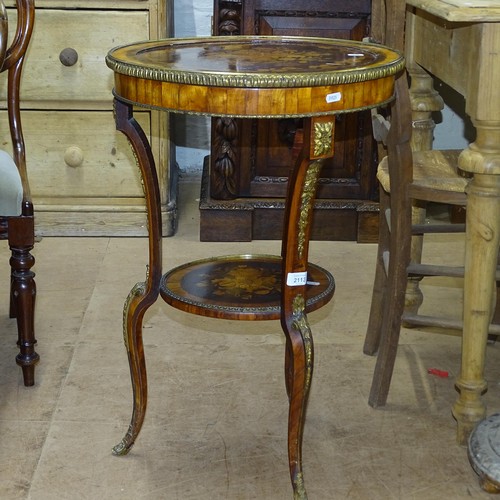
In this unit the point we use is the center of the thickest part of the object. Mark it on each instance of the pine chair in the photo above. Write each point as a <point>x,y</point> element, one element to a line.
<point>16,207</point>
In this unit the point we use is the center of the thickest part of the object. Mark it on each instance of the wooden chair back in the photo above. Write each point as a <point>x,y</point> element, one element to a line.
<point>12,58</point>
<point>17,218</point>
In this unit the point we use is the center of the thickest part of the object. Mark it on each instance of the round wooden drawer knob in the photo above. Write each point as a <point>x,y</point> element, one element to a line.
<point>73,156</point>
<point>68,56</point>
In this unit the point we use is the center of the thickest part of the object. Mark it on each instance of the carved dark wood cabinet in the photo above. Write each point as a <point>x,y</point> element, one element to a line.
<point>245,176</point>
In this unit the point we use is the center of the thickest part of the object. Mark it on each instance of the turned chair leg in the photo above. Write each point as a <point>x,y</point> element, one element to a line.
<point>22,307</point>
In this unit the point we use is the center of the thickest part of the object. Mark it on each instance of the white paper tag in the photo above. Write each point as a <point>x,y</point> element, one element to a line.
<point>335,97</point>
<point>296,279</point>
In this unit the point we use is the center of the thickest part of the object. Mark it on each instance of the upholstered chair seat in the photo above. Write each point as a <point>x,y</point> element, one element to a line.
<point>11,188</point>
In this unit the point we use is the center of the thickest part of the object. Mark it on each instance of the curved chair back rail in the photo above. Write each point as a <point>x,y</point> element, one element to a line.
<point>16,207</point>
<point>13,64</point>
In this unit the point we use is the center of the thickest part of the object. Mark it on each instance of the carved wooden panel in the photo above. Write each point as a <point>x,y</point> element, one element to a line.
<point>250,159</point>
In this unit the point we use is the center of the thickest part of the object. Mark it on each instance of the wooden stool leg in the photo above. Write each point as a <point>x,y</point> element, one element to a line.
<point>482,239</point>
<point>143,295</point>
<point>23,293</point>
<point>425,101</point>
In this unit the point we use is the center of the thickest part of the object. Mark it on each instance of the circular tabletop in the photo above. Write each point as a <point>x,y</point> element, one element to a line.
<point>255,76</point>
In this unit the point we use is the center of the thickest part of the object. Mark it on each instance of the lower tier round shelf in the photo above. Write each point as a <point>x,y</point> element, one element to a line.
<point>242,287</point>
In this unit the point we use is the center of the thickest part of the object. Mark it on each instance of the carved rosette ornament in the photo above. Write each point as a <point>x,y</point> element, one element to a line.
<point>323,137</point>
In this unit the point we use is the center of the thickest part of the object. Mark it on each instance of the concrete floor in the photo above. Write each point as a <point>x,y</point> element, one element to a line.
<point>216,421</point>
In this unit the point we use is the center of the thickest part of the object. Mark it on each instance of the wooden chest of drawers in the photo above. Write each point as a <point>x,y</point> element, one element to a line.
<point>83,175</point>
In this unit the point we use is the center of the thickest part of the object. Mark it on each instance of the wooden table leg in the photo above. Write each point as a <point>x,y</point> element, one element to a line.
<point>143,294</point>
<point>481,253</point>
<point>318,145</point>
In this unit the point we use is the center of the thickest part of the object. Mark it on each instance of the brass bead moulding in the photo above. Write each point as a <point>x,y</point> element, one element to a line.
<point>283,76</point>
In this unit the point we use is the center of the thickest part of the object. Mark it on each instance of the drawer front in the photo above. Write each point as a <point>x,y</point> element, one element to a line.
<point>81,39</point>
<point>93,4</point>
<point>79,154</point>
<point>89,4</point>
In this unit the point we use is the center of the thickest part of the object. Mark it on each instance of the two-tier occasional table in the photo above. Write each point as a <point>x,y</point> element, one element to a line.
<point>246,77</point>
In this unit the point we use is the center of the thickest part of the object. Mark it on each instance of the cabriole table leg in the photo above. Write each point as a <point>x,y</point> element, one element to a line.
<point>299,354</point>
<point>142,295</point>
